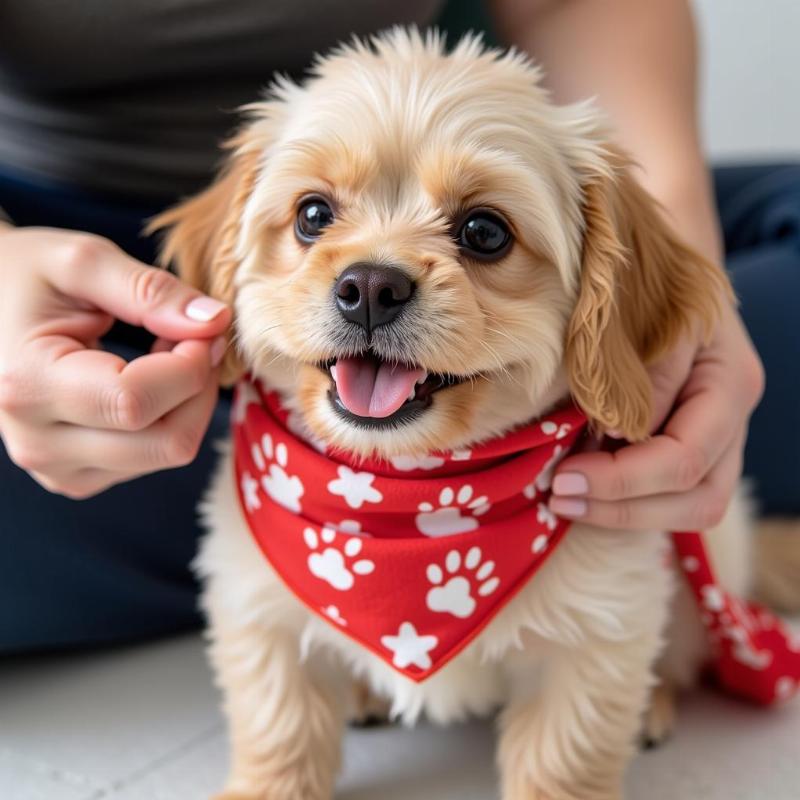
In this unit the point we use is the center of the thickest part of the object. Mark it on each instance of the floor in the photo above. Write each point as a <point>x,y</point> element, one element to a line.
<point>143,724</point>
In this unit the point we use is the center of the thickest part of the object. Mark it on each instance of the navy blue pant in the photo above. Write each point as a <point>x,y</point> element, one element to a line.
<point>115,567</point>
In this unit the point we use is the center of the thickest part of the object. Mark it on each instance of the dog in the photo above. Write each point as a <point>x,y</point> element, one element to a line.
<point>433,217</point>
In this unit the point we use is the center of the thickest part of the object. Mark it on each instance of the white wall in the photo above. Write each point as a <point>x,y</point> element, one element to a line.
<point>751,77</point>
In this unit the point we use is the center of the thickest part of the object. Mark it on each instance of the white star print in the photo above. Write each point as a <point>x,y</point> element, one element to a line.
<point>355,487</point>
<point>409,647</point>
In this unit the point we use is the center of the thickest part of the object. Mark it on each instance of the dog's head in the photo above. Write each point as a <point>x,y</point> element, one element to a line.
<point>422,251</point>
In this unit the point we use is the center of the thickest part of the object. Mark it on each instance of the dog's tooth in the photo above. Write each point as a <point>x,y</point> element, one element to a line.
<point>422,379</point>
<point>412,393</point>
<point>333,371</point>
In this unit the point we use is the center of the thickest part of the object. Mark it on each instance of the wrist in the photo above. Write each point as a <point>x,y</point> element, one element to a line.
<point>688,202</point>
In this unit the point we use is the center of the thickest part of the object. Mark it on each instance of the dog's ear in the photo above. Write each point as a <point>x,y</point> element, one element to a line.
<point>640,288</point>
<point>201,236</point>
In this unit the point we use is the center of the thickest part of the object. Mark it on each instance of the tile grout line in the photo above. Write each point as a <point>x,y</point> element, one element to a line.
<point>163,760</point>
<point>44,769</point>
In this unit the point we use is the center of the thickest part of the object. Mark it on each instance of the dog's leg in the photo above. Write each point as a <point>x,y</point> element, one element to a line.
<point>576,700</point>
<point>285,716</point>
<point>573,739</point>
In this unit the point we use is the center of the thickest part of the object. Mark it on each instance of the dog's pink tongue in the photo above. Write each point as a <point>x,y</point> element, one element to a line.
<point>371,389</point>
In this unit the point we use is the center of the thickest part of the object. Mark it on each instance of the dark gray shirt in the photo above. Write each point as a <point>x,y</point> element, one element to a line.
<point>134,96</point>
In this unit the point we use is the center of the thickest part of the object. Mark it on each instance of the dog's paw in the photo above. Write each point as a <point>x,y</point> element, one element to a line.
<point>659,719</point>
<point>369,710</point>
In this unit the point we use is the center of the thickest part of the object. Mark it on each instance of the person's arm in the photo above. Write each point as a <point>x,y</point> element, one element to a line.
<point>639,60</point>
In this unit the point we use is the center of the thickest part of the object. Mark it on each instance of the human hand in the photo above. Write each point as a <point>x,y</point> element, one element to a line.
<point>684,476</point>
<point>80,419</point>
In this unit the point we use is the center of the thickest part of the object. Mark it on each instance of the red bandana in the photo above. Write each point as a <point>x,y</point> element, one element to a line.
<point>412,558</point>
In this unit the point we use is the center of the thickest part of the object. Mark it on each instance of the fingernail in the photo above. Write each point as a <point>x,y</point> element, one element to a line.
<point>570,483</point>
<point>567,507</point>
<point>204,309</point>
<point>217,351</point>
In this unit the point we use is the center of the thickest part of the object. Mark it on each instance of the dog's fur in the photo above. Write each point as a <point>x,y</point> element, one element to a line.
<point>403,138</point>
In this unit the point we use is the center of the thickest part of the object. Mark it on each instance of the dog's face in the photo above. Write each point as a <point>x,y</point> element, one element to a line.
<point>423,252</point>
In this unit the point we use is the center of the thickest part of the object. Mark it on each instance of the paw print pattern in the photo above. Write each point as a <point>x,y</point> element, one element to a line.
<point>249,485</point>
<point>332,612</point>
<point>447,519</point>
<point>407,463</point>
<point>455,596</point>
<point>351,526</point>
<point>246,395</point>
<point>546,517</point>
<point>333,565</point>
<point>284,489</point>
<point>550,428</point>
<point>542,482</point>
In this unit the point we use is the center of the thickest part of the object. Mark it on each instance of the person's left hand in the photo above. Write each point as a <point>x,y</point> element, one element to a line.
<point>684,476</point>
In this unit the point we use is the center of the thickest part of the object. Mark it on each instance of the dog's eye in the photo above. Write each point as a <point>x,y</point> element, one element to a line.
<point>484,235</point>
<point>313,215</point>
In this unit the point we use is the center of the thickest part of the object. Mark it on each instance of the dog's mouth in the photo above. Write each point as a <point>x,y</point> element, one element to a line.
<point>376,393</point>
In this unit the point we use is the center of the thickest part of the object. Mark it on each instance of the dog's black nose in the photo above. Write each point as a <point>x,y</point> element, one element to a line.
<point>372,295</point>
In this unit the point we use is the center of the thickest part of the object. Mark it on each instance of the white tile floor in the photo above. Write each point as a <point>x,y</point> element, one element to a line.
<point>142,724</point>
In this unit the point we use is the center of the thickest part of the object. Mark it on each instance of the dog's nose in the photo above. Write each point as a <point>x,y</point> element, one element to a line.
<point>372,295</point>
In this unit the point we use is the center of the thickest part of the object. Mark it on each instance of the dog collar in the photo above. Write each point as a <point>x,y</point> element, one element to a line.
<point>413,557</point>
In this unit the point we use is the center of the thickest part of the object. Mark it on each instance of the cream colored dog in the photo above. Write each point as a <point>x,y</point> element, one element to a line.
<point>540,270</point>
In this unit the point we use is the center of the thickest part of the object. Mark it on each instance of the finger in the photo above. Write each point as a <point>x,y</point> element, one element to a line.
<point>668,377</point>
<point>76,486</point>
<point>172,441</point>
<point>96,389</point>
<point>698,509</point>
<point>96,271</point>
<point>161,345</point>
<point>695,437</point>
<point>83,483</point>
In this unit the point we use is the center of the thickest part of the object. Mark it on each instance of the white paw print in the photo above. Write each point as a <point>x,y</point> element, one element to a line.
<point>355,487</point>
<point>351,526</point>
<point>246,395</point>
<point>332,612</point>
<point>542,482</point>
<point>461,455</point>
<point>455,596</point>
<point>713,598</point>
<point>333,565</point>
<point>284,489</point>
<point>785,688</point>
<point>407,463</point>
<point>447,518</point>
<point>539,544</point>
<point>546,517</point>
<point>755,659</point>
<point>250,492</point>
<point>691,563</point>
<point>549,427</point>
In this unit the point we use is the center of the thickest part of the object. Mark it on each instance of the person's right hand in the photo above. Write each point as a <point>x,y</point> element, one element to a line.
<point>80,419</point>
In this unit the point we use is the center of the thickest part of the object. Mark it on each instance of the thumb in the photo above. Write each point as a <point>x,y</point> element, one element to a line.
<point>106,277</point>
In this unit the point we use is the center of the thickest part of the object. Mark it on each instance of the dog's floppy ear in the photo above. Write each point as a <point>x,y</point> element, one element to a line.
<point>201,236</point>
<point>640,288</point>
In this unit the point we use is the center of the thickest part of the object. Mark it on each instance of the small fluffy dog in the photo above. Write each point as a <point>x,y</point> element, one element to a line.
<point>507,258</point>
